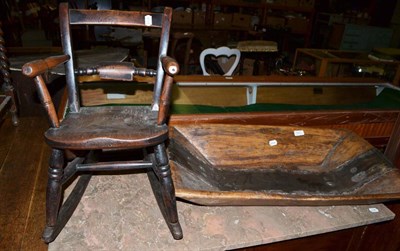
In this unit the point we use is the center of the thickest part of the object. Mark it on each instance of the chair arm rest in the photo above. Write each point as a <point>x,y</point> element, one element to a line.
<point>37,67</point>
<point>34,70</point>
<point>170,66</point>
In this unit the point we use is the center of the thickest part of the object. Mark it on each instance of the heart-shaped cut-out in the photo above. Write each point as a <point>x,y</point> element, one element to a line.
<point>217,52</point>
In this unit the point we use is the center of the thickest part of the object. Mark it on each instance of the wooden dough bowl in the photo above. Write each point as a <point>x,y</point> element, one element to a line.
<point>225,164</point>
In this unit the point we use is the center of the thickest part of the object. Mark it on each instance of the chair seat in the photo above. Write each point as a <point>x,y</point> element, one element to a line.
<point>108,127</point>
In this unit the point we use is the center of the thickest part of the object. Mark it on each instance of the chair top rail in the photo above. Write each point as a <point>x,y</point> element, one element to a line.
<point>116,17</point>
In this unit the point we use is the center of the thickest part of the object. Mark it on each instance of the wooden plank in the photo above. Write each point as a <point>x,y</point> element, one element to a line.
<point>231,91</point>
<point>315,95</point>
<point>7,132</point>
<point>18,181</point>
<point>300,118</point>
<point>210,95</point>
<point>37,209</point>
<point>229,95</point>
<point>274,78</point>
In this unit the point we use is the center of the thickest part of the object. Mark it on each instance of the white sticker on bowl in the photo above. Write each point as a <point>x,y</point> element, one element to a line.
<point>298,133</point>
<point>273,142</point>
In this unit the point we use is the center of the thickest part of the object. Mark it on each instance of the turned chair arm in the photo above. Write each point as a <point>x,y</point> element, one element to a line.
<point>35,69</point>
<point>171,68</point>
<point>38,67</point>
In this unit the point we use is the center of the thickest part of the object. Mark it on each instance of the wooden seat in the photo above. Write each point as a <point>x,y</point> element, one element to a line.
<point>125,126</point>
<point>79,140</point>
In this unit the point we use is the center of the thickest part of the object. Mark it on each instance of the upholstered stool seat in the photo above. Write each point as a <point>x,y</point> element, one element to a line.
<point>261,50</point>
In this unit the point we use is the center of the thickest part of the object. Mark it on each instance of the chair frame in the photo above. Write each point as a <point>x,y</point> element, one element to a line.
<point>221,51</point>
<point>155,160</point>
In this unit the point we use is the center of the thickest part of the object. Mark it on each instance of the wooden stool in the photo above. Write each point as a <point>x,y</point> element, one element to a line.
<point>261,47</point>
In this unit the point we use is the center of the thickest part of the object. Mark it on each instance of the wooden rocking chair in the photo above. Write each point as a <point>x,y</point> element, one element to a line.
<point>88,132</point>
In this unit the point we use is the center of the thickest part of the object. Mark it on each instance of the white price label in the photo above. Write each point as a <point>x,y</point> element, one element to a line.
<point>273,142</point>
<point>148,20</point>
<point>298,133</point>
<point>373,210</point>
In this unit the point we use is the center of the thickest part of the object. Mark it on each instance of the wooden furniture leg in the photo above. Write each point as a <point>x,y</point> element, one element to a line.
<point>164,191</point>
<point>54,190</point>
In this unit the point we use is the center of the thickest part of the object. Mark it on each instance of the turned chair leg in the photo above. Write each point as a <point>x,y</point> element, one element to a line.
<point>54,191</point>
<point>57,212</point>
<point>164,191</point>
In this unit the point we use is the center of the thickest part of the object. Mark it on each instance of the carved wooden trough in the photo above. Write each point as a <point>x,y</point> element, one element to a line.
<point>226,164</point>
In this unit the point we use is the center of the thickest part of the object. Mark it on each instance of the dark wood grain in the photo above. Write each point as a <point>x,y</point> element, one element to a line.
<point>7,140</point>
<point>298,118</point>
<point>36,218</point>
<point>377,126</point>
<point>32,69</point>
<point>20,172</point>
<point>222,164</point>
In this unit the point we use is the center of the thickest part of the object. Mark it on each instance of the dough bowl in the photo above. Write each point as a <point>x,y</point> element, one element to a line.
<point>223,164</point>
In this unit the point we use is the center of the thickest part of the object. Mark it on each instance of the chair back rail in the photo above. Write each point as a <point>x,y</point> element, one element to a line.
<point>218,52</point>
<point>71,17</point>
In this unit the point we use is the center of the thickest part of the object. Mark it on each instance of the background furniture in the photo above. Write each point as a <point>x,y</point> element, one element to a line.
<point>358,37</point>
<point>8,101</point>
<point>215,23</point>
<point>261,50</point>
<point>337,63</point>
<point>87,133</point>
<point>181,47</point>
<point>219,61</point>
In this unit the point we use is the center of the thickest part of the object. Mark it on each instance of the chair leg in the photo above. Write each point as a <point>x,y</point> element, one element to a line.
<point>164,191</point>
<point>54,189</point>
<point>57,214</point>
